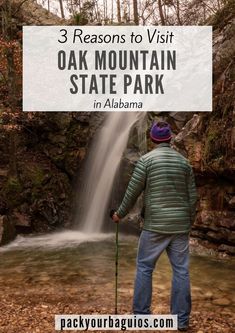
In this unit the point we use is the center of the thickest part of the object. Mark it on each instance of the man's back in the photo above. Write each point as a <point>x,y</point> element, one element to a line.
<point>167,191</point>
<point>167,180</point>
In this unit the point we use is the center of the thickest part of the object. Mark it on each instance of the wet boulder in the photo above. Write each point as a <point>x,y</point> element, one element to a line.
<point>7,230</point>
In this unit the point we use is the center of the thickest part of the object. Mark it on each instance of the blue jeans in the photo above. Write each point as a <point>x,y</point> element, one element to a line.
<point>151,245</point>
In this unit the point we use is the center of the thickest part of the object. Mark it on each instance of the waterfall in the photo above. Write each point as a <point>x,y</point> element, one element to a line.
<point>101,167</point>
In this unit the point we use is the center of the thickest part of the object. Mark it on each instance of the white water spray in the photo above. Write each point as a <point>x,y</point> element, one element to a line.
<point>102,165</point>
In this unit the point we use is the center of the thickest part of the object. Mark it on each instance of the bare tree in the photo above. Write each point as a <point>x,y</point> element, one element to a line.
<point>112,11</point>
<point>125,17</point>
<point>119,12</point>
<point>135,11</point>
<point>105,10</point>
<point>177,9</point>
<point>164,12</point>
<point>61,8</point>
<point>162,17</point>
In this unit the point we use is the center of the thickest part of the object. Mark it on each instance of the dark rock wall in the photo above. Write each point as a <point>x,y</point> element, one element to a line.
<point>50,149</point>
<point>208,140</point>
<point>47,149</point>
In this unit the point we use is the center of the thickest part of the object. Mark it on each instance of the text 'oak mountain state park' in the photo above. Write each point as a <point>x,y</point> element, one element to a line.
<point>123,60</point>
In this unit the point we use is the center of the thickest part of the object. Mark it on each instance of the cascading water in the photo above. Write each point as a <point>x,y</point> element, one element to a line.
<point>103,163</point>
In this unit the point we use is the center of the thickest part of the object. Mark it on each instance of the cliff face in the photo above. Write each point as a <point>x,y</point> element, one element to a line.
<point>29,12</point>
<point>29,178</point>
<point>209,142</point>
<point>40,152</point>
<point>49,150</point>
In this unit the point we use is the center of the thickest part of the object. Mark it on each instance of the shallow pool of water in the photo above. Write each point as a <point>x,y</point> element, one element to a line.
<point>73,258</point>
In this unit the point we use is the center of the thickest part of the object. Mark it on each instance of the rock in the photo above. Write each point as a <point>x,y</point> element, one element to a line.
<point>177,120</point>
<point>231,236</point>
<point>3,172</point>
<point>208,295</point>
<point>215,236</point>
<point>196,289</point>
<point>161,287</point>
<point>232,202</point>
<point>44,278</point>
<point>214,225</point>
<point>180,119</point>
<point>221,301</point>
<point>208,141</point>
<point>21,219</point>
<point>3,207</point>
<point>7,230</point>
<point>227,248</point>
<point>33,13</point>
<point>225,219</point>
<point>188,141</point>
<point>125,291</point>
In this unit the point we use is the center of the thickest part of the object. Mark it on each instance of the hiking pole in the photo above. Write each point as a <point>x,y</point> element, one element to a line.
<point>116,270</point>
<point>116,262</point>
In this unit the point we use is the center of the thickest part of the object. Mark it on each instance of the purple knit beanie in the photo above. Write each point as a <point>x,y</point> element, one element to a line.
<point>160,132</point>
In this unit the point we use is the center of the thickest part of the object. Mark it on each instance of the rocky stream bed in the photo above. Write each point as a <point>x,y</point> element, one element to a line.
<point>56,274</point>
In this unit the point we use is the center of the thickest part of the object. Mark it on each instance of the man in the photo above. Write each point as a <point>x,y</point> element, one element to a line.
<point>167,180</point>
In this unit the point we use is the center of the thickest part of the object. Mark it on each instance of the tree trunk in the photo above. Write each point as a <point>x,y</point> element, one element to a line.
<point>161,12</point>
<point>61,8</point>
<point>178,12</point>
<point>136,15</point>
<point>112,13</point>
<point>79,5</point>
<point>119,12</point>
<point>124,6</point>
<point>105,5</point>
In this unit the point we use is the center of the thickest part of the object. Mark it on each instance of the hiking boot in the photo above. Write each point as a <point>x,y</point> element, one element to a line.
<point>183,329</point>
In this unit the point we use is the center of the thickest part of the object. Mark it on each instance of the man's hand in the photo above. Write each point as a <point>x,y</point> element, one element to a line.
<point>115,218</point>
